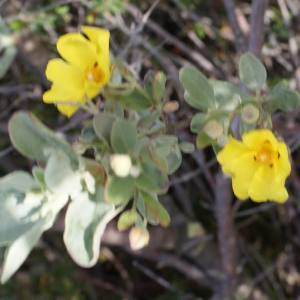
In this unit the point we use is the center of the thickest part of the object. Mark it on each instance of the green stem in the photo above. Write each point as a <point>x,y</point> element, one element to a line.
<point>91,105</point>
<point>135,199</point>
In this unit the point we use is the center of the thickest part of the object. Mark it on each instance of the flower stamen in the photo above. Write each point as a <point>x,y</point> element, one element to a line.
<point>94,74</point>
<point>264,156</point>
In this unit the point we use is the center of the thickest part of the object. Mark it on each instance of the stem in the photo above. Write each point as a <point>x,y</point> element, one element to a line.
<point>227,235</point>
<point>91,105</point>
<point>135,199</point>
<point>256,37</point>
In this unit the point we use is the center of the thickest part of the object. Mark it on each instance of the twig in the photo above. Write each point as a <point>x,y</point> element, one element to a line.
<point>196,56</point>
<point>254,210</point>
<point>292,39</point>
<point>155,277</point>
<point>123,272</point>
<point>6,151</point>
<point>187,176</point>
<point>267,272</point>
<point>240,41</point>
<point>227,235</point>
<point>256,38</point>
<point>141,20</point>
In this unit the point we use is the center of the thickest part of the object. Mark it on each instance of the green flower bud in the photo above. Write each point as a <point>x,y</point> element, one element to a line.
<point>213,129</point>
<point>250,113</point>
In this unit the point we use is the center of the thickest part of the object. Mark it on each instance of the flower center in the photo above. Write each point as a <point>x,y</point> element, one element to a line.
<point>94,74</point>
<point>264,156</point>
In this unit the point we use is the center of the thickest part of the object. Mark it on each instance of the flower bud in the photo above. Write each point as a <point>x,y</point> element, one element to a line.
<point>121,164</point>
<point>213,129</point>
<point>135,171</point>
<point>138,238</point>
<point>250,113</point>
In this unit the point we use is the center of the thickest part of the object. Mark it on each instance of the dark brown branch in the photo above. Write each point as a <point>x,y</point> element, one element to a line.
<point>256,37</point>
<point>240,40</point>
<point>227,235</point>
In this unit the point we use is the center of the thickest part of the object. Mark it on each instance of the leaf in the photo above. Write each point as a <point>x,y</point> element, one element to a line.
<point>118,190</point>
<point>95,169</point>
<point>144,211</point>
<point>38,174</point>
<point>59,176</point>
<point>172,155</point>
<point>18,251</point>
<point>149,119</point>
<point>13,212</point>
<point>85,222</point>
<point>198,121</point>
<point>103,123</point>
<point>283,98</point>
<point>126,219</point>
<point>159,86</point>
<point>114,108</point>
<point>148,82</point>
<point>198,92</point>
<point>123,136</point>
<point>31,138</point>
<point>136,101</point>
<point>224,91</point>
<point>187,147</point>
<point>152,178</point>
<point>166,139</point>
<point>19,181</point>
<point>204,140</point>
<point>158,211</point>
<point>252,72</point>
<point>7,58</point>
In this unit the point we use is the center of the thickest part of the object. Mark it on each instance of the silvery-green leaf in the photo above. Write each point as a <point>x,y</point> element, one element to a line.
<point>18,181</point>
<point>59,176</point>
<point>252,72</point>
<point>198,92</point>
<point>14,215</point>
<point>18,251</point>
<point>32,138</point>
<point>85,220</point>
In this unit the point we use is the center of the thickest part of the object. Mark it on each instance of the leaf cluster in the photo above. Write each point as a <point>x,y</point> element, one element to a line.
<point>220,101</point>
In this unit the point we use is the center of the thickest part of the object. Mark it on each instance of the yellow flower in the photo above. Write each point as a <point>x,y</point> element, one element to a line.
<point>259,166</point>
<point>84,70</point>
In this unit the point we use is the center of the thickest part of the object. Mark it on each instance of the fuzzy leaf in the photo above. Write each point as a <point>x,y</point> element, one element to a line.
<point>252,72</point>
<point>157,210</point>
<point>123,136</point>
<point>86,219</point>
<point>198,92</point>
<point>118,190</point>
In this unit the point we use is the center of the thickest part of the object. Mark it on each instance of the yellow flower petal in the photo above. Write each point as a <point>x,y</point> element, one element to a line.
<point>85,71</point>
<point>99,37</point>
<point>255,138</point>
<point>243,175</point>
<point>282,166</point>
<point>259,166</point>
<point>264,186</point>
<point>65,74</point>
<point>77,50</point>
<point>92,89</point>
<point>230,155</point>
<point>67,110</point>
<point>57,95</point>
